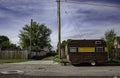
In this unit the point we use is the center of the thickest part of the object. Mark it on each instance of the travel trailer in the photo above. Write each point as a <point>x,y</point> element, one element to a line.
<point>86,51</point>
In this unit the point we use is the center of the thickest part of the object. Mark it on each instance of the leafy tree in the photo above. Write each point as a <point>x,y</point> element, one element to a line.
<point>3,38</point>
<point>63,45</point>
<point>49,47</point>
<point>37,34</point>
<point>14,47</point>
<point>109,38</point>
<point>5,44</point>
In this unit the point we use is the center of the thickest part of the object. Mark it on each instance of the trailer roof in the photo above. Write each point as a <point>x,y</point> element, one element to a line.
<point>86,43</point>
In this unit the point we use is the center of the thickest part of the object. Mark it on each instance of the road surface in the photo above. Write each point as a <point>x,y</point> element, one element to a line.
<point>49,68</point>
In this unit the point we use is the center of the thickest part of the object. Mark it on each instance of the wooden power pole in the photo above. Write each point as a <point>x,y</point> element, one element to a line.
<point>59,28</point>
<point>31,34</point>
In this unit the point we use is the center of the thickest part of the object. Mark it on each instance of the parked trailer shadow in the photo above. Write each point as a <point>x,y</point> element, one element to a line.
<point>28,76</point>
<point>88,64</point>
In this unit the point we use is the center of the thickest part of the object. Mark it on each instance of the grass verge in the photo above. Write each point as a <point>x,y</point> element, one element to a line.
<point>12,60</point>
<point>114,61</point>
<point>57,59</point>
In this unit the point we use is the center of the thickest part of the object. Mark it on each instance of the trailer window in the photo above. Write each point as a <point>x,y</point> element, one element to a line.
<point>99,49</point>
<point>73,49</point>
<point>97,42</point>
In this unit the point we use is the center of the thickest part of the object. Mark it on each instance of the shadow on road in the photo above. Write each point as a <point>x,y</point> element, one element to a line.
<point>88,64</point>
<point>27,76</point>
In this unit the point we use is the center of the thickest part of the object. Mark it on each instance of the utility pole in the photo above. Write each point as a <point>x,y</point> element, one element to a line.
<point>59,28</point>
<point>31,34</point>
<point>0,45</point>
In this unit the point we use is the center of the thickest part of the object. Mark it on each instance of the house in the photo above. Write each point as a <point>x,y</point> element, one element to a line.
<point>117,47</point>
<point>117,42</point>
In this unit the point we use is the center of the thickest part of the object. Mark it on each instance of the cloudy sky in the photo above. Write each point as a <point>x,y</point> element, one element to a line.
<point>80,19</point>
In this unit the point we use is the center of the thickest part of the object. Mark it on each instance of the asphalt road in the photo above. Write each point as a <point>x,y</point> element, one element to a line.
<point>39,69</point>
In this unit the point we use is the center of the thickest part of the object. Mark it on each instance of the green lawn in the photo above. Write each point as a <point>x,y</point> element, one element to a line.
<point>12,60</point>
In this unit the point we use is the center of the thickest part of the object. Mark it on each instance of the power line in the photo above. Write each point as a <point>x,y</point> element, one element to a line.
<point>80,2</point>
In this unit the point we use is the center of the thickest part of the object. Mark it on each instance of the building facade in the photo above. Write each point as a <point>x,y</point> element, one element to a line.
<point>117,42</point>
<point>117,47</point>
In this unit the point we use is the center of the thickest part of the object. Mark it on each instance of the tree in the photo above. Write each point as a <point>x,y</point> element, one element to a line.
<point>5,44</point>
<point>63,45</point>
<point>109,38</point>
<point>3,38</point>
<point>37,34</point>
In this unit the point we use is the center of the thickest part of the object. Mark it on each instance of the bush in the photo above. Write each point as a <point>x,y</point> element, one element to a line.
<point>56,59</point>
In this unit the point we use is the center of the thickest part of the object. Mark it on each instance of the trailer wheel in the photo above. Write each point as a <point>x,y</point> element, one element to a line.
<point>93,63</point>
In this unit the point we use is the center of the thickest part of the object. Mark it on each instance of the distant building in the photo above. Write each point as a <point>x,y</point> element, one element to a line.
<point>117,47</point>
<point>37,55</point>
<point>117,42</point>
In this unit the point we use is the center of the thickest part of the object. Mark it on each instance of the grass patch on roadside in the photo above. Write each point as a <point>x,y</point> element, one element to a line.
<point>12,60</point>
<point>113,61</point>
<point>57,59</point>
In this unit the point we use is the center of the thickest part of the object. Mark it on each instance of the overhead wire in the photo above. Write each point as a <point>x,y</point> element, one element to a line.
<point>76,2</point>
<point>76,29</point>
<point>81,2</point>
